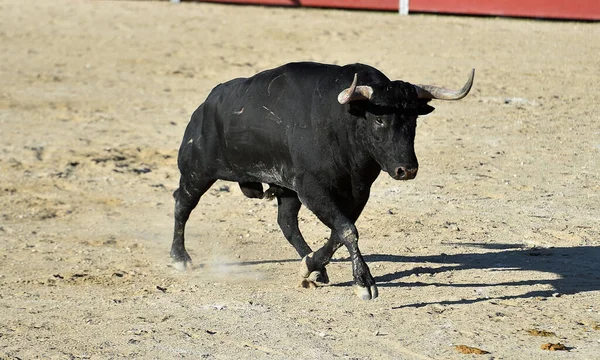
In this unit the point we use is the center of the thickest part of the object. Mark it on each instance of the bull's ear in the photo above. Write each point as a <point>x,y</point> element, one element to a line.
<point>425,109</point>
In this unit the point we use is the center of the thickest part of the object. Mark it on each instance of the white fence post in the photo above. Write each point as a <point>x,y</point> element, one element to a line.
<point>403,7</point>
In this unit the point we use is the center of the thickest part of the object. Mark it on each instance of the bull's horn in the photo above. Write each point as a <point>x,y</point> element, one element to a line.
<point>434,92</point>
<point>361,92</point>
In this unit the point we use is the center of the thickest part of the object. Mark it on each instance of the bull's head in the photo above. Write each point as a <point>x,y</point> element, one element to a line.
<point>388,114</point>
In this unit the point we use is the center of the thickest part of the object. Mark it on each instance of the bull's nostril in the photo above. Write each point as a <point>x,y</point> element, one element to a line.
<point>401,173</point>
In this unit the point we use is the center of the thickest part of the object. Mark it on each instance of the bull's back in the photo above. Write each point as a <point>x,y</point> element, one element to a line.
<point>247,128</point>
<point>251,129</point>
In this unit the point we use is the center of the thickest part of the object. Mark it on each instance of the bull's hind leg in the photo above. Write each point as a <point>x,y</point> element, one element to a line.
<point>288,206</point>
<point>186,199</point>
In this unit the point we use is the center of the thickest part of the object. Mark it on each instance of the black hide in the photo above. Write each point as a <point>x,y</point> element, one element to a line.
<point>284,127</point>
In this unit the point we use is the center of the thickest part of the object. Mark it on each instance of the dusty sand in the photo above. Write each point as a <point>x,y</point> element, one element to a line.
<point>499,234</point>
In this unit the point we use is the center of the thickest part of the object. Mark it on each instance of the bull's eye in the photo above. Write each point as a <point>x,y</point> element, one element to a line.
<point>379,120</point>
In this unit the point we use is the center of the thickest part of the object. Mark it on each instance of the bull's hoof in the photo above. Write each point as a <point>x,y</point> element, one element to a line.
<point>304,269</point>
<point>182,265</point>
<point>318,277</point>
<point>307,271</point>
<point>308,284</point>
<point>181,259</point>
<point>366,293</point>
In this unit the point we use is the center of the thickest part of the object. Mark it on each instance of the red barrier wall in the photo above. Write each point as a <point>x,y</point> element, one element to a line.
<point>561,9</point>
<point>558,9</point>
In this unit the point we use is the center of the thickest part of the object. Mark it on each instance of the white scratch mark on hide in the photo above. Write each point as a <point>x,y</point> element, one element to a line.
<point>190,141</point>
<point>245,92</point>
<point>277,119</point>
<point>319,92</point>
<point>279,97</point>
<point>240,112</point>
<point>271,83</point>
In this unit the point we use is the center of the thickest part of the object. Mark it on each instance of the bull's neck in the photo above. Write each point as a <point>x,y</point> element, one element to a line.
<point>364,163</point>
<point>347,151</point>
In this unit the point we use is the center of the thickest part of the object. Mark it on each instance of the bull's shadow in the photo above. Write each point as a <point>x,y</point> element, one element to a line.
<point>577,269</point>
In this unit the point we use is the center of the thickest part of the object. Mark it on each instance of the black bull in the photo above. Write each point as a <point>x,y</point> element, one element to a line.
<point>318,135</point>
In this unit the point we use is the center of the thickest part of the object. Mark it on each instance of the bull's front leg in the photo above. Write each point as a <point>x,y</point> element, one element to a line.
<point>314,263</point>
<point>364,284</point>
<point>328,211</point>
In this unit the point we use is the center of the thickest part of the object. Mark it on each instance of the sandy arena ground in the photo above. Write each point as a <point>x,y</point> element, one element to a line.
<point>497,236</point>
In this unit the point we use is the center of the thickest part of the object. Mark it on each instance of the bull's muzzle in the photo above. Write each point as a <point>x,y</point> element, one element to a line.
<point>405,173</point>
